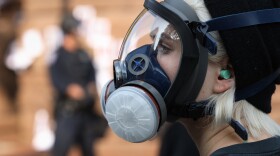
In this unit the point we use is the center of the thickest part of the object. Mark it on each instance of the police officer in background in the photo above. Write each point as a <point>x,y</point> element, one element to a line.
<point>73,78</point>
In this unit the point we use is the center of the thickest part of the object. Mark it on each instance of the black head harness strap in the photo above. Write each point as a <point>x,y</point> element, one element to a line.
<point>265,84</point>
<point>253,50</point>
<point>197,109</point>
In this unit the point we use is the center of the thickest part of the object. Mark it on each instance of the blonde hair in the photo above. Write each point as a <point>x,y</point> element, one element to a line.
<point>255,121</point>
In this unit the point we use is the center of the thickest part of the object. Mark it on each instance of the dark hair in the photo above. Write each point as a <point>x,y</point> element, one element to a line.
<point>7,6</point>
<point>69,23</point>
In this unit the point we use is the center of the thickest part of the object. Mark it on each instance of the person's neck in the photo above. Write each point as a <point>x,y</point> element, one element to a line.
<point>209,139</point>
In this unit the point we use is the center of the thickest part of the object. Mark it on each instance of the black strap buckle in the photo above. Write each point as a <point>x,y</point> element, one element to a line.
<point>200,31</point>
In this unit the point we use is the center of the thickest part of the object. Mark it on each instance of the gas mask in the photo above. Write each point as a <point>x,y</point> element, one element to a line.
<point>135,102</point>
<point>148,88</point>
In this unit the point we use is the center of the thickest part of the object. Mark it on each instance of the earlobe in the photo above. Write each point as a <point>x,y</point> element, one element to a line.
<point>222,85</point>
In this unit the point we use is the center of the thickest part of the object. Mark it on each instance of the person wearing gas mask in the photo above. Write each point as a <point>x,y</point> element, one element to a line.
<point>210,64</point>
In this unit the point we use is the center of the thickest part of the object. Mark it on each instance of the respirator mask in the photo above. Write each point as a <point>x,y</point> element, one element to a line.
<point>162,66</point>
<point>136,108</point>
<point>135,103</point>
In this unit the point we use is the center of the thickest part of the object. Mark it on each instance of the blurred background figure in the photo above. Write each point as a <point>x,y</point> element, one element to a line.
<point>36,35</point>
<point>10,13</point>
<point>73,77</point>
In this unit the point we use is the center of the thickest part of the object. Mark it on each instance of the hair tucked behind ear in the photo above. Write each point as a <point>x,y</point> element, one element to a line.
<point>255,121</point>
<point>223,106</point>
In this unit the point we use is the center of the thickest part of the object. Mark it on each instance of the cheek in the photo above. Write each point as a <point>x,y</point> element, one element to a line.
<point>170,65</point>
<point>207,88</point>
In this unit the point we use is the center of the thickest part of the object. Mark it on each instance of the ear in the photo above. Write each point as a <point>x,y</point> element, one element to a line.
<point>221,84</point>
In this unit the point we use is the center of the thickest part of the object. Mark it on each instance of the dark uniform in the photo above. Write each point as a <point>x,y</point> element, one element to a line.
<point>75,119</point>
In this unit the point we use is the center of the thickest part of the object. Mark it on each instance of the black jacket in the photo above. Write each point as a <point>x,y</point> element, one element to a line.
<point>267,147</point>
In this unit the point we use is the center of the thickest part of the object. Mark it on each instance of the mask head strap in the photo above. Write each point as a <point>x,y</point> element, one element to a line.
<point>233,21</point>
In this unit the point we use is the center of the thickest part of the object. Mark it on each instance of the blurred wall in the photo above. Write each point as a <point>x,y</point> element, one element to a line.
<point>35,91</point>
